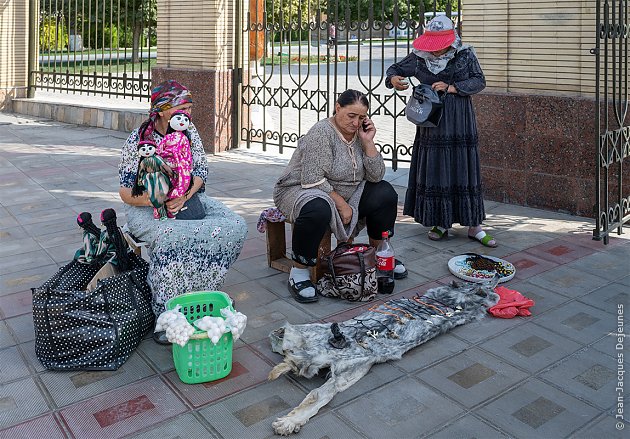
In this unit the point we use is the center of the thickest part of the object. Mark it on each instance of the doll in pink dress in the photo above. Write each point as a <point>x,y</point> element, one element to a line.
<point>174,149</point>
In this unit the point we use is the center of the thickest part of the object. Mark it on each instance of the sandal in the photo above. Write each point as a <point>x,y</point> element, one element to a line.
<point>437,234</point>
<point>483,238</point>
<point>400,274</point>
<point>296,287</point>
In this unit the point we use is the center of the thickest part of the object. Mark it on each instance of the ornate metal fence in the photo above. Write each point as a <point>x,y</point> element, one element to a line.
<point>297,57</point>
<point>98,47</point>
<point>613,127</point>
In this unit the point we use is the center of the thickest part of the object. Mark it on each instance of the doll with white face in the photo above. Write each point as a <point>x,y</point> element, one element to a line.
<point>174,148</point>
<point>154,177</point>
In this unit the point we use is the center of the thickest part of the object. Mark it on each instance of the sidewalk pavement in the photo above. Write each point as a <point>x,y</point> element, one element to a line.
<point>553,375</point>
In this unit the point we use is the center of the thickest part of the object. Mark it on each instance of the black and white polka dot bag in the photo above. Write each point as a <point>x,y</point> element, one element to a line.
<point>77,329</point>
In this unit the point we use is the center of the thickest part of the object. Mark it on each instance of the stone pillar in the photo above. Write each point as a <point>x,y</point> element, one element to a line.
<point>536,118</point>
<point>14,42</point>
<point>197,46</point>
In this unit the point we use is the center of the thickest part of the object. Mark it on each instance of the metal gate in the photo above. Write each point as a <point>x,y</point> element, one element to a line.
<point>612,124</point>
<point>97,47</point>
<point>297,57</point>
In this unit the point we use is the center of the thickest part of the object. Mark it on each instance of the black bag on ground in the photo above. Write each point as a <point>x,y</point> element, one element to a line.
<point>351,273</point>
<point>77,329</point>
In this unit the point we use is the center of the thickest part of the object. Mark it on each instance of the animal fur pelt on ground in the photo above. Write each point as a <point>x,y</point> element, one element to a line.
<point>383,333</point>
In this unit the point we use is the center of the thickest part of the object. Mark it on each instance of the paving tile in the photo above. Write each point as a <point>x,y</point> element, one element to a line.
<point>248,295</point>
<point>578,322</point>
<point>124,411</point>
<point>606,427</point>
<point>433,351</point>
<point>11,264</point>
<point>586,239</point>
<point>544,299</point>
<point>248,370</point>
<point>12,367</point>
<point>157,355</point>
<point>522,239</point>
<point>531,347</point>
<point>253,247</point>
<point>468,427</point>
<point>9,235</point>
<point>45,427</point>
<point>184,426</point>
<point>434,266</point>
<point>471,377</point>
<point>16,304</point>
<point>28,349</point>
<point>249,414</point>
<point>611,345</point>
<point>587,375</point>
<point>71,238</point>
<point>379,375</point>
<point>608,298</point>
<point>22,327</point>
<point>528,265</point>
<point>487,327</point>
<point>59,214</point>
<point>611,265</point>
<point>255,267</point>
<point>394,410</point>
<point>263,319</point>
<point>560,251</point>
<point>8,222</point>
<point>69,387</point>
<point>62,254</point>
<point>6,339</point>
<point>25,280</point>
<point>16,248</point>
<point>537,410</point>
<point>570,282</point>
<point>20,400</point>
<point>263,349</point>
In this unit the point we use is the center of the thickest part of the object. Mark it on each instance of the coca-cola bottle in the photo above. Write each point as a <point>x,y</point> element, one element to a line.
<point>385,263</point>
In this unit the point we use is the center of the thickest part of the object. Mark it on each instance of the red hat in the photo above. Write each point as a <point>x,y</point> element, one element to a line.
<point>438,34</point>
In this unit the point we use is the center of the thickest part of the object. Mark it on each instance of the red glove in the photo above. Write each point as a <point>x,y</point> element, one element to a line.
<point>511,303</point>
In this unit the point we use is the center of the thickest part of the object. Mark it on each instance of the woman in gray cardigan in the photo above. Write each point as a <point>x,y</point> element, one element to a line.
<point>335,180</point>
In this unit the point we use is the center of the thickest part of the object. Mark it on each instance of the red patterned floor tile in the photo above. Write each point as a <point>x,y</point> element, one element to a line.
<point>43,427</point>
<point>585,239</point>
<point>16,304</point>
<point>248,370</point>
<point>123,411</point>
<point>560,251</point>
<point>528,265</point>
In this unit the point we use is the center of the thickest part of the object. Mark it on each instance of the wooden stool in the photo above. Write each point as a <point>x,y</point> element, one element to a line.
<point>277,249</point>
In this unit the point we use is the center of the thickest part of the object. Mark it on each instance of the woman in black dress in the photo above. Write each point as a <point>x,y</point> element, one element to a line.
<point>445,176</point>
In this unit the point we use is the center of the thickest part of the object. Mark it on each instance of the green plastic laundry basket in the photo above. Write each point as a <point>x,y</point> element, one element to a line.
<point>200,360</point>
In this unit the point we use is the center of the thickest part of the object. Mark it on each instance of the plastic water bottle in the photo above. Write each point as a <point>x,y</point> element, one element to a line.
<point>385,263</point>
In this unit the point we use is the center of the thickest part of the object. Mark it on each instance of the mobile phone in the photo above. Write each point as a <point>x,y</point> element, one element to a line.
<point>364,125</point>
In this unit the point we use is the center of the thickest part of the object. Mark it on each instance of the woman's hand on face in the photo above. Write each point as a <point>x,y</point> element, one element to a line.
<point>176,204</point>
<point>366,131</point>
<point>400,82</point>
<point>345,212</point>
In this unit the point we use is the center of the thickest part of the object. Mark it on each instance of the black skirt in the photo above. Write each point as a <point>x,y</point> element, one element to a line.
<point>445,177</point>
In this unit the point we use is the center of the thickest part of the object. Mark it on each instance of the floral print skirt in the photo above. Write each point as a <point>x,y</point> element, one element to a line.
<point>188,255</point>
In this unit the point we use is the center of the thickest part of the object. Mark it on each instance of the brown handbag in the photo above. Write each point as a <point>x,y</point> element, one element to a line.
<point>351,273</point>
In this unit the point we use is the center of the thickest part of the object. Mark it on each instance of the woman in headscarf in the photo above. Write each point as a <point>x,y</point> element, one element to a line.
<point>445,176</point>
<point>190,255</point>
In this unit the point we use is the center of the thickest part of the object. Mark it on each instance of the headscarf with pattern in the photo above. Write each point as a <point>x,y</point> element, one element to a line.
<point>164,96</point>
